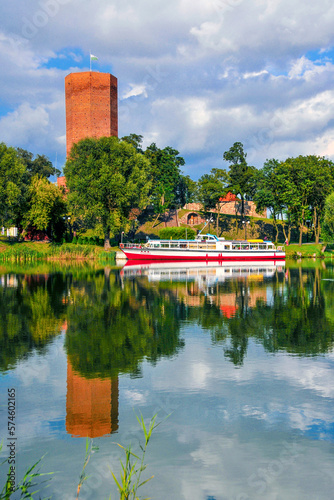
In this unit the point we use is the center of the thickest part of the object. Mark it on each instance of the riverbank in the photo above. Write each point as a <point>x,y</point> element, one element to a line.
<point>29,251</point>
<point>308,250</point>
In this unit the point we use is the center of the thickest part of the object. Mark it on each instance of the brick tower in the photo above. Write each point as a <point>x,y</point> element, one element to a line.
<point>91,106</point>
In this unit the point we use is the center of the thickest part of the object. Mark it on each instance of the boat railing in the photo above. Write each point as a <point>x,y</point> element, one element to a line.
<point>131,245</point>
<point>204,245</point>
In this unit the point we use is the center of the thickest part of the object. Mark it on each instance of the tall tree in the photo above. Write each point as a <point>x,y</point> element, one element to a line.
<point>241,175</point>
<point>307,182</point>
<point>269,191</point>
<point>322,170</point>
<point>211,188</point>
<point>41,165</point>
<point>12,186</point>
<point>186,191</point>
<point>165,170</point>
<point>46,207</point>
<point>106,178</point>
<point>135,140</point>
<point>328,224</point>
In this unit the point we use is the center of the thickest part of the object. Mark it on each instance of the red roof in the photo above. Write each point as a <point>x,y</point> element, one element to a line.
<point>229,197</point>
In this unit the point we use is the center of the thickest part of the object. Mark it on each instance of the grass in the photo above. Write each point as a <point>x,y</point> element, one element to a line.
<point>25,488</point>
<point>132,467</point>
<point>36,251</point>
<point>131,470</point>
<point>306,251</point>
<point>128,483</point>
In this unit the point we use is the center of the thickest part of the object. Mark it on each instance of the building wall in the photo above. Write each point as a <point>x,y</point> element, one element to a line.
<point>91,106</point>
<point>229,208</point>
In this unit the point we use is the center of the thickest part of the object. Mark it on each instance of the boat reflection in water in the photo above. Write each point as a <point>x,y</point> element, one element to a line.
<point>210,272</point>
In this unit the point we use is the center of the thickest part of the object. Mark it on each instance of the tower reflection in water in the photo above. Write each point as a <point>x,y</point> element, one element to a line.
<point>91,405</point>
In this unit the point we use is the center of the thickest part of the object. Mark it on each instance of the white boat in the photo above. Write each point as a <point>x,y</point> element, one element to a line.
<point>204,248</point>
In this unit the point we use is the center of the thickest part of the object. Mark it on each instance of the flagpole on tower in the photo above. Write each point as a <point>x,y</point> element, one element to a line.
<point>92,58</point>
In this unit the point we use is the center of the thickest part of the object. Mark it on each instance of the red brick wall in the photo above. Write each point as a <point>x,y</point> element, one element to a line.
<point>91,106</point>
<point>230,208</point>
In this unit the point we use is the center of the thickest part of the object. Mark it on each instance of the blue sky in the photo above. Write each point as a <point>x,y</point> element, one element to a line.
<point>196,75</point>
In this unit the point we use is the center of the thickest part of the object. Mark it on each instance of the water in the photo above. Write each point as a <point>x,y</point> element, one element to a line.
<point>239,358</point>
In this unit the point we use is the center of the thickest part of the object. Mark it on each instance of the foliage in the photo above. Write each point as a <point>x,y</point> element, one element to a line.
<point>211,188</point>
<point>41,165</point>
<point>241,176</point>
<point>135,140</point>
<point>87,240</point>
<point>12,186</point>
<point>307,180</point>
<point>186,191</point>
<point>176,233</point>
<point>166,177</point>
<point>106,178</point>
<point>46,207</point>
<point>269,192</point>
<point>296,188</point>
<point>328,225</point>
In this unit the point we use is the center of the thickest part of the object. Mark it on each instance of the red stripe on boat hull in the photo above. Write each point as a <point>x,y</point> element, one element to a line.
<point>206,258</point>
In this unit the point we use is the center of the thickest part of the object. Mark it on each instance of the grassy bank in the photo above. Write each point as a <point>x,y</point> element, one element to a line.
<point>34,251</point>
<point>308,250</point>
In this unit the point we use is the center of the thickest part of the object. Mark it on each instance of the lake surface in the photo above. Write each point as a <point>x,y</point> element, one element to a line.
<point>240,358</point>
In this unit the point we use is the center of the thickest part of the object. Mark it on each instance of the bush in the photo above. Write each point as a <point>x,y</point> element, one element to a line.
<point>177,233</point>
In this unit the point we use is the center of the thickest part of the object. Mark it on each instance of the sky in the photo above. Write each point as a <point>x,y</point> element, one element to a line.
<point>196,75</point>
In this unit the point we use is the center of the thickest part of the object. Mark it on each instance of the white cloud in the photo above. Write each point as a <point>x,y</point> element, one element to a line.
<point>194,75</point>
<point>19,126</point>
<point>135,90</point>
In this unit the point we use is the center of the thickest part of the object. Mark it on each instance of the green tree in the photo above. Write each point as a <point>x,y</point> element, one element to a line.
<point>12,186</point>
<point>135,140</point>
<point>270,187</point>
<point>46,207</point>
<point>328,224</point>
<point>106,178</point>
<point>307,181</point>
<point>211,188</point>
<point>241,175</point>
<point>186,191</point>
<point>322,170</point>
<point>165,170</point>
<point>41,165</point>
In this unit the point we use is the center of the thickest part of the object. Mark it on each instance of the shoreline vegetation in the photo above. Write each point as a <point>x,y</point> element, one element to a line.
<point>112,188</point>
<point>33,251</point>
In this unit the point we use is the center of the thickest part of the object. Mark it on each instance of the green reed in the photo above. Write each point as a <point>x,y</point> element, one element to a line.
<point>20,252</point>
<point>25,487</point>
<point>131,470</point>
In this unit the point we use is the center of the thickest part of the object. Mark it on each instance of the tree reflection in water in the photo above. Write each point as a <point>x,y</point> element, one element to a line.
<point>113,323</point>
